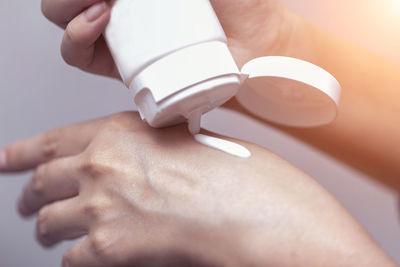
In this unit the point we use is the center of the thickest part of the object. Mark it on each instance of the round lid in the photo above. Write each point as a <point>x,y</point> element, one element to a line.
<point>289,91</point>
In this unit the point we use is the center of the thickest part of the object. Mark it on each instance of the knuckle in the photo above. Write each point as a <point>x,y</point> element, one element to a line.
<point>42,226</point>
<point>72,33</point>
<point>96,165</point>
<point>123,120</point>
<point>127,119</point>
<point>100,244</point>
<point>77,35</point>
<point>72,38</point>
<point>126,115</point>
<point>67,54</point>
<point>37,186</point>
<point>93,211</point>
<point>97,208</point>
<point>50,143</point>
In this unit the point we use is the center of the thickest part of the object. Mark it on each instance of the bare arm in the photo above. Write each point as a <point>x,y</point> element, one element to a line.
<point>367,130</point>
<point>366,133</point>
<point>140,194</point>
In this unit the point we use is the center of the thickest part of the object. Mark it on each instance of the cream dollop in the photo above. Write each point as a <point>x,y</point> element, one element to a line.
<point>223,145</point>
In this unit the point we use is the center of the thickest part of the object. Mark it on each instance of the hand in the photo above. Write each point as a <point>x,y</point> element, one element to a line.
<point>254,28</point>
<point>143,195</point>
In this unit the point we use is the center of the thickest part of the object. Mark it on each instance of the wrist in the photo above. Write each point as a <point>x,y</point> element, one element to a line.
<point>263,31</point>
<point>220,244</point>
<point>297,37</point>
<point>281,33</point>
<point>225,245</point>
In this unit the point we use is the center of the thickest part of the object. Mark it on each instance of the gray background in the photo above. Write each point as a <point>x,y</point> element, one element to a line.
<point>39,92</point>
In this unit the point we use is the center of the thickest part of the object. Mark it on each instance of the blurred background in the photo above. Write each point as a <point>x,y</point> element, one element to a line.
<point>39,92</point>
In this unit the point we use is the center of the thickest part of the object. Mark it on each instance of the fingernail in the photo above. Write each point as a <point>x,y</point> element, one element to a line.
<point>95,11</point>
<point>3,159</point>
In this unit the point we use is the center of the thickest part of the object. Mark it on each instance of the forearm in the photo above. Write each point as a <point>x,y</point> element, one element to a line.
<point>367,128</point>
<point>121,183</point>
<point>320,231</point>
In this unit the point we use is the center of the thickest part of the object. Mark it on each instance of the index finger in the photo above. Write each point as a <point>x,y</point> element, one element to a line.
<point>29,153</point>
<point>61,12</point>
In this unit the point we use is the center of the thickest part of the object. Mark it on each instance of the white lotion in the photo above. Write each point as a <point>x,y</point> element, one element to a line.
<point>223,145</point>
<point>194,122</point>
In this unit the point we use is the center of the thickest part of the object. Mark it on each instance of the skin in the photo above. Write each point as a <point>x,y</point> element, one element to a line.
<point>369,105</point>
<point>366,128</point>
<point>251,26</point>
<point>141,203</point>
<point>173,221</point>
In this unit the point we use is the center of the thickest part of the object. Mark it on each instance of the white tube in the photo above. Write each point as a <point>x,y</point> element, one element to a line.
<point>163,48</point>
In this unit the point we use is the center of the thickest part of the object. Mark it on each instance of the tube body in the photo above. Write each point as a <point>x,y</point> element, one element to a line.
<point>142,31</point>
<point>174,57</point>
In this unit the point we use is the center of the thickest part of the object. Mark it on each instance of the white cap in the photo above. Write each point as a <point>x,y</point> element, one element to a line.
<point>186,84</point>
<point>192,81</point>
<point>289,91</point>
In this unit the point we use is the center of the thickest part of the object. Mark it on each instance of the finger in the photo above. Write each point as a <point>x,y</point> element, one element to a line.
<point>51,182</point>
<point>83,254</point>
<point>83,45</point>
<point>61,12</point>
<point>144,246</point>
<point>67,141</point>
<point>103,247</point>
<point>63,220</point>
